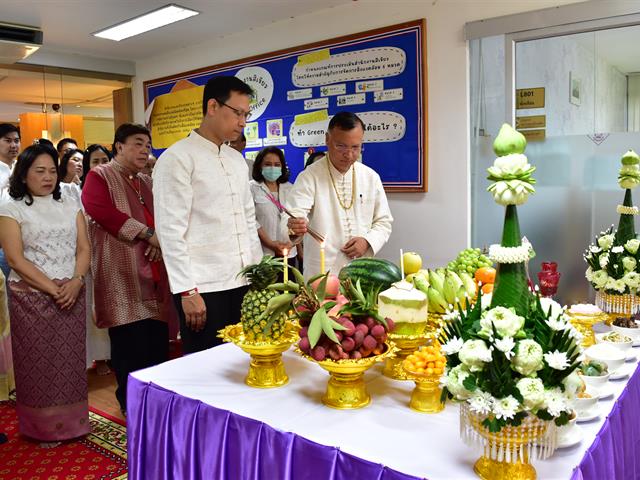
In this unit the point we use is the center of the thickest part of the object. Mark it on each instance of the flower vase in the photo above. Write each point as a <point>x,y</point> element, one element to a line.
<point>507,453</point>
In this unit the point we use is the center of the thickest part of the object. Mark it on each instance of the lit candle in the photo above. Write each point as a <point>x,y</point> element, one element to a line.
<point>285,252</point>
<point>322,257</point>
<point>401,263</point>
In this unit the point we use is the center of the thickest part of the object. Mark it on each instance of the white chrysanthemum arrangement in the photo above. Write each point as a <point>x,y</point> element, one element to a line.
<point>614,258</point>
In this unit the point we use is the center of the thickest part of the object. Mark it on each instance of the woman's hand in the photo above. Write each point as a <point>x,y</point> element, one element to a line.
<point>68,293</point>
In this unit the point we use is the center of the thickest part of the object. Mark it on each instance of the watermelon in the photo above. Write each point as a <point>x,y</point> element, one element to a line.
<point>372,273</point>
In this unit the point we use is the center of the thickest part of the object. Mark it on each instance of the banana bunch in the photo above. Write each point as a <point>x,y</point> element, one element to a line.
<point>444,288</point>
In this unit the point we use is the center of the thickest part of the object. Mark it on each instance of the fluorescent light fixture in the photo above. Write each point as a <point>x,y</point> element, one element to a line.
<point>149,21</point>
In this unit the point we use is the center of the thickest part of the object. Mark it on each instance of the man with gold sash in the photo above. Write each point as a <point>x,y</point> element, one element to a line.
<point>341,198</point>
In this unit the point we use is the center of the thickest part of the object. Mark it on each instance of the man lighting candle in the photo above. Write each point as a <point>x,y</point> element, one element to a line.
<point>324,198</point>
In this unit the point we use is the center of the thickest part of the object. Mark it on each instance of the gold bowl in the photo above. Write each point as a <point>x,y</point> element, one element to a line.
<point>426,397</point>
<point>346,388</point>
<point>266,369</point>
<point>407,344</point>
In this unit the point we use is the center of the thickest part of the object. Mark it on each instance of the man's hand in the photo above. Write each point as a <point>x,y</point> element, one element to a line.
<point>153,241</point>
<point>297,225</point>
<point>278,248</point>
<point>195,312</point>
<point>356,247</point>
<point>154,254</point>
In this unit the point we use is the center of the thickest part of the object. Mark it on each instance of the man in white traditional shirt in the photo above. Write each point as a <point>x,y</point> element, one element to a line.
<point>205,217</point>
<point>342,199</point>
<point>9,150</point>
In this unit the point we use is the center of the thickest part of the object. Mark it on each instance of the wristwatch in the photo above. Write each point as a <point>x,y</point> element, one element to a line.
<point>79,277</point>
<point>149,233</point>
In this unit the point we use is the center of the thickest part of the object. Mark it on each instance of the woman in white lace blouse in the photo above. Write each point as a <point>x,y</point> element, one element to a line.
<point>45,241</point>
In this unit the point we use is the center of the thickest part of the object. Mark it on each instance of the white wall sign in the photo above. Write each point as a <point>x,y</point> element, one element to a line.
<point>388,95</point>
<point>316,103</point>
<point>353,99</point>
<point>299,94</point>
<point>357,65</point>
<point>370,86</point>
<point>260,80</point>
<point>338,89</point>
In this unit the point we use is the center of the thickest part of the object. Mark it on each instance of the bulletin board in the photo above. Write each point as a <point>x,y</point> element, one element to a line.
<point>379,74</point>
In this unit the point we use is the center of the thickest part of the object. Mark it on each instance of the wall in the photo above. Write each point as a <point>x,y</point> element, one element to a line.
<point>435,224</point>
<point>550,62</point>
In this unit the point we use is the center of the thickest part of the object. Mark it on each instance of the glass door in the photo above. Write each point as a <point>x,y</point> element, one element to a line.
<point>577,99</point>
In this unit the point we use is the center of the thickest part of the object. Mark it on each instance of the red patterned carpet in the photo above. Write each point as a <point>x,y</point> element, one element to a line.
<point>101,455</point>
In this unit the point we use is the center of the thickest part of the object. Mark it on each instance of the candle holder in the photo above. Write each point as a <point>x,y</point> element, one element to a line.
<point>548,282</point>
<point>549,267</point>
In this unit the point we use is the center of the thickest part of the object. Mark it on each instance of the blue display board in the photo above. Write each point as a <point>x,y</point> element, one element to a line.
<point>379,74</point>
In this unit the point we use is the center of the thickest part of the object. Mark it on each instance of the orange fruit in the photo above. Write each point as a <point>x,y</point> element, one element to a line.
<point>485,275</point>
<point>487,288</point>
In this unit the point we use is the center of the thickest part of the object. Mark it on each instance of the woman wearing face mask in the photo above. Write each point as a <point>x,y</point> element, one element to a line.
<point>270,189</point>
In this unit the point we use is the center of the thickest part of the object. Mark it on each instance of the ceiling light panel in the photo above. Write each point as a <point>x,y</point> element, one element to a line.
<point>144,23</point>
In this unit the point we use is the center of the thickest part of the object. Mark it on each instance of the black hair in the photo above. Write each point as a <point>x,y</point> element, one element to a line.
<point>220,88</point>
<point>125,131</point>
<point>86,159</point>
<point>256,173</point>
<point>18,181</point>
<point>64,162</point>
<point>346,121</point>
<point>313,157</point>
<point>7,128</point>
<point>63,141</point>
<point>45,142</point>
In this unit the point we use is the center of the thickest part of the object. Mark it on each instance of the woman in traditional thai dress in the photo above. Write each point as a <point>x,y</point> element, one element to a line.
<point>7,383</point>
<point>98,344</point>
<point>46,244</point>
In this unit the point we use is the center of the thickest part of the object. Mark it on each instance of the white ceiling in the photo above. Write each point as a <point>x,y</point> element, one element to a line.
<point>68,24</point>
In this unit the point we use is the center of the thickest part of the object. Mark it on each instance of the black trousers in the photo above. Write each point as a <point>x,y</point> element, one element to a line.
<point>223,308</point>
<point>136,346</point>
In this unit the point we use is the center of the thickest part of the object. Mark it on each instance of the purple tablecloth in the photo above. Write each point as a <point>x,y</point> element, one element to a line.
<point>171,436</point>
<point>175,437</point>
<point>615,455</point>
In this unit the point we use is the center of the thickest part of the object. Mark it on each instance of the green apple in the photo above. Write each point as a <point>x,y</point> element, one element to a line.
<point>411,262</point>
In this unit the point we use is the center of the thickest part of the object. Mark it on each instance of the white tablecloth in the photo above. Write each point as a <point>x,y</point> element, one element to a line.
<point>386,431</point>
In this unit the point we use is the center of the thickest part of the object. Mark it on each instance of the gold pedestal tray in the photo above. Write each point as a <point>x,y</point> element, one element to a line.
<point>507,453</point>
<point>617,305</point>
<point>426,397</point>
<point>434,324</point>
<point>407,344</point>
<point>266,369</point>
<point>346,389</point>
<point>584,324</point>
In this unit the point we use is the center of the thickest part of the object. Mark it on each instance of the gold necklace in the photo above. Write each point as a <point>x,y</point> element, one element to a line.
<point>137,190</point>
<point>353,185</point>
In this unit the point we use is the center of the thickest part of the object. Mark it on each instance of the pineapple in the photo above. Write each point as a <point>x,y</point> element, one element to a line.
<point>256,326</point>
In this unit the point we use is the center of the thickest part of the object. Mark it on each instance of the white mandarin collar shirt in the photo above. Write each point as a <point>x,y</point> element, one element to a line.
<point>315,198</point>
<point>204,215</point>
<point>5,173</point>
